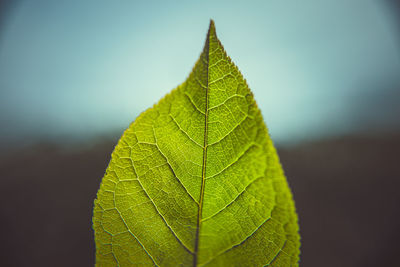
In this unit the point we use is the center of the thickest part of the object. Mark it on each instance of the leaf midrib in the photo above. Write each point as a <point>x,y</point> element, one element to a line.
<point>203,172</point>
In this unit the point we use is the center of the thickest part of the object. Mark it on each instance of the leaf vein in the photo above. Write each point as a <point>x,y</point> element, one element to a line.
<point>231,131</point>
<point>129,230</point>
<point>277,254</point>
<point>186,134</point>
<point>237,245</point>
<point>172,169</point>
<point>192,102</point>
<point>203,171</point>
<point>165,221</point>
<point>234,161</point>
<point>226,100</point>
<point>233,200</point>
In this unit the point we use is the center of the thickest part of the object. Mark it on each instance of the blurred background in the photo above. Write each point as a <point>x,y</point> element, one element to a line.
<point>75,74</point>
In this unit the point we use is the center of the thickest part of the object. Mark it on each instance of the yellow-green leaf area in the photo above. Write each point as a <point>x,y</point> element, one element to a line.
<point>196,181</point>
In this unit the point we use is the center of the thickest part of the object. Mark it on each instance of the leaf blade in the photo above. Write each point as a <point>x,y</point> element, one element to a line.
<point>196,180</point>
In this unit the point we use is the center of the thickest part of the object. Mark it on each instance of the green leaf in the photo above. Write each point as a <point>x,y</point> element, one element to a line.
<point>196,180</point>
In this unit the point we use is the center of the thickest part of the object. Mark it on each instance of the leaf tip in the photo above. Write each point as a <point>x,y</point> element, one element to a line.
<point>212,23</point>
<point>211,29</point>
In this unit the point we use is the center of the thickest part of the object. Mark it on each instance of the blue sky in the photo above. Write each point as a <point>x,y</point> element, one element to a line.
<point>73,70</point>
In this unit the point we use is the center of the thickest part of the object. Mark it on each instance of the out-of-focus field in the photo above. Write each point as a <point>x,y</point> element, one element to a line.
<point>346,192</point>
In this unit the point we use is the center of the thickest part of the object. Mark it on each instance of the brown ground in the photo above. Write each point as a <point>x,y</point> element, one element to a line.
<point>346,192</point>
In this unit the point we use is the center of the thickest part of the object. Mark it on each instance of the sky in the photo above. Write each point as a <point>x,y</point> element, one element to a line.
<point>77,70</point>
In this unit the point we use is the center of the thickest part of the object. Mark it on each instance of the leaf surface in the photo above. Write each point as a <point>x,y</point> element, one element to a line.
<point>196,181</point>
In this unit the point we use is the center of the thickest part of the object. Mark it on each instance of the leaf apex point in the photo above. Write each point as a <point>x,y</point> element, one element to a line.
<point>211,29</point>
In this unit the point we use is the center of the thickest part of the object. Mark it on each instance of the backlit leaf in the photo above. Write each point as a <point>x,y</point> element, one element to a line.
<point>196,181</point>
